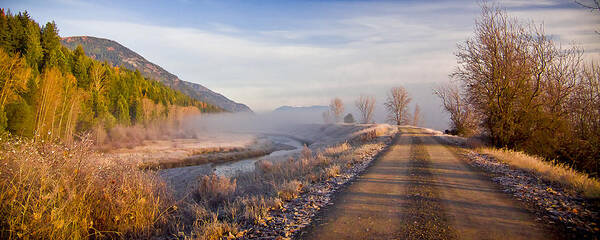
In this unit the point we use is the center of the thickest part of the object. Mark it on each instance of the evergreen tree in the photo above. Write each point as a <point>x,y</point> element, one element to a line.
<point>49,89</point>
<point>349,118</point>
<point>123,111</point>
<point>50,42</point>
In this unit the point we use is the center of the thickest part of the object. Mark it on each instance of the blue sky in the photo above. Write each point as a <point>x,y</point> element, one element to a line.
<point>271,53</point>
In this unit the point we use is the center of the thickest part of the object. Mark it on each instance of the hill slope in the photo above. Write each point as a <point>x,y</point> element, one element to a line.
<point>118,55</point>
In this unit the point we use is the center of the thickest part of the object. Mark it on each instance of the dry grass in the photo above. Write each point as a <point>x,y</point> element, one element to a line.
<point>213,228</point>
<point>289,190</point>
<point>333,171</point>
<point>368,136</point>
<point>215,189</point>
<point>337,149</point>
<point>255,208</point>
<point>206,158</point>
<point>551,171</point>
<point>260,191</point>
<point>264,166</point>
<point>217,150</point>
<point>54,191</point>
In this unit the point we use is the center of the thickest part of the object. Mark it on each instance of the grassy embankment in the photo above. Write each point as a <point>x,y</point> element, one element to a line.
<point>551,171</point>
<point>56,191</point>
<point>213,155</point>
<point>224,205</point>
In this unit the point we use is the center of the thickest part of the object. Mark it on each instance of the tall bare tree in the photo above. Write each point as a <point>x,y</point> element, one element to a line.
<point>366,107</point>
<point>417,118</point>
<point>462,117</point>
<point>528,92</point>
<point>337,109</point>
<point>505,69</point>
<point>397,105</point>
<point>584,115</point>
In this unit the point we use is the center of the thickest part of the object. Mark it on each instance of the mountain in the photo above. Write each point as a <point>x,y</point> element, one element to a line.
<point>315,108</point>
<point>118,55</point>
<point>299,115</point>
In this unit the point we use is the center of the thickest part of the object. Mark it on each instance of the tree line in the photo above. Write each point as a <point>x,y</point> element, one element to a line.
<point>49,91</point>
<point>521,90</point>
<point>396,105</point>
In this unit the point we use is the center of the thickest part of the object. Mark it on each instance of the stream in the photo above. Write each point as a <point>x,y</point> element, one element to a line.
<point>179,178</point>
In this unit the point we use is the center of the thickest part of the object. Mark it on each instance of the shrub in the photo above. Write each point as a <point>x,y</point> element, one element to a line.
<point>333,171</point>
<point>337,149</point>
<point>54,191</point>
<point>289,190</point>
<point>257,207</point>
<point>321,160</point>
<point>213,189</point>
<point>349,118</point>
<point>306,153</point>
<point>214,228</point>
<point>368,136</point>
<point>264,166</point>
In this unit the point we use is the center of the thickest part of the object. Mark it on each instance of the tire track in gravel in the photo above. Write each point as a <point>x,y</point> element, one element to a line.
<point>425,217</point>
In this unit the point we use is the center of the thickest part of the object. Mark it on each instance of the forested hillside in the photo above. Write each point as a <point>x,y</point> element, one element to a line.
<point>48,91</point>
<point>119,55</point>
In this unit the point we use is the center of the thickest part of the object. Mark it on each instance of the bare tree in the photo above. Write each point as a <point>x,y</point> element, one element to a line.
<point>517,80</point>
<point>528,92</point>
<point>397,105</point>
<point>584,114</point>
<point>366,106</point>
<point>337,109</point>
<point>417,118</point>
<point>462,117</point>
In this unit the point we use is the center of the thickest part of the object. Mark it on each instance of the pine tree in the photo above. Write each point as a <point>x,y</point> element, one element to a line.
<point>50,42</point>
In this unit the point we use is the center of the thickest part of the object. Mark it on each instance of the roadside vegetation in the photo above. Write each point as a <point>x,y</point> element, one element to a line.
<point>550,171</point>
<point>229,205</point>
<point>66,191</point>
<point>50,190</point>
<point>573,180</point>
<point>518,89</point>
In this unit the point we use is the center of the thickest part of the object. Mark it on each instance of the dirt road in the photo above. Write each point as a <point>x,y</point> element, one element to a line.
<point>419,189</point>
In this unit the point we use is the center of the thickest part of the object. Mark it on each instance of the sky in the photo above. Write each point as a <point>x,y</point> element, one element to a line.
<point>266,54</point>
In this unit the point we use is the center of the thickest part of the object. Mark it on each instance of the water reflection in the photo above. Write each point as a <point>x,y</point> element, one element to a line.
<point>181,178</point>
<point>247,165</point>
